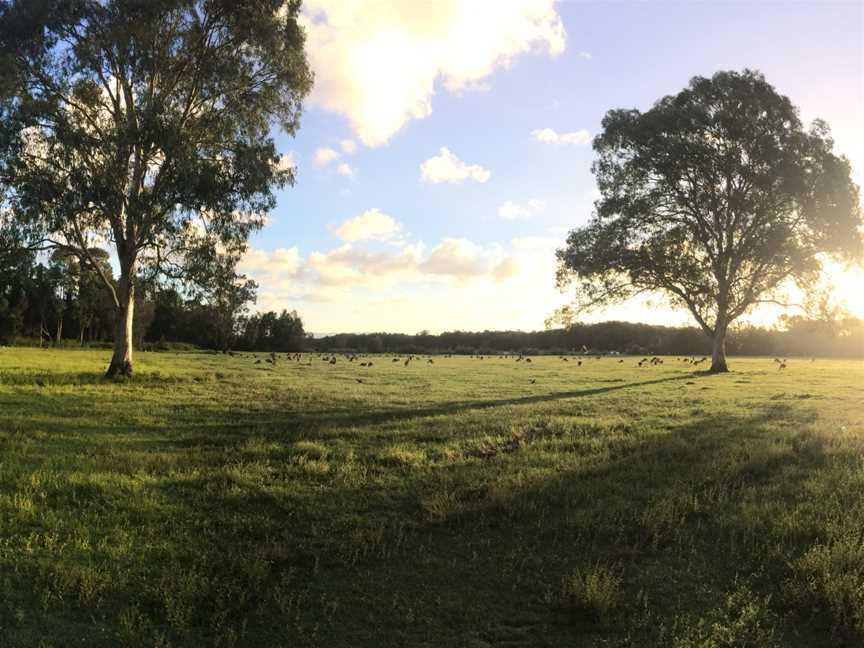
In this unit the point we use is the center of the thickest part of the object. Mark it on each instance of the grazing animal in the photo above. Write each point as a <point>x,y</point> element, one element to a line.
<point>578,363</point>
<point>527,359</point>
<point>781,366</point>
<point>359,380</point>
<point>407,361</point>
<point>533,381</point>
<point>430,361</point>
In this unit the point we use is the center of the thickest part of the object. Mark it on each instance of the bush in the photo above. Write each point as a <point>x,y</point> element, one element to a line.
<point>830,578</point>
<point>745,620</point>
<point>591,595</point>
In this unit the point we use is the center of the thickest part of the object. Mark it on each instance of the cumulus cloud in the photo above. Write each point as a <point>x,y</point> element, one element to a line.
<point>373,224</point>
<point>508,268</point>
<point>325,155</point>
<point>405,286</point>
<point>549,136</point>
<point>350,266</point>
<point>278,263</point>
<point>510,210</point>
<point>446,167</point>
<point>378,63</point>
<point>286,162</point>
<point>456,257</point>
<point>585,55</point>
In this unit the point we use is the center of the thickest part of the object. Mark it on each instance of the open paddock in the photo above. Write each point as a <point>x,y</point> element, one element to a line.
<point>217,500</point>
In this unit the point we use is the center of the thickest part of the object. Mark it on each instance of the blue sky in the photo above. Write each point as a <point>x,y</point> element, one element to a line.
<point>472,246</point>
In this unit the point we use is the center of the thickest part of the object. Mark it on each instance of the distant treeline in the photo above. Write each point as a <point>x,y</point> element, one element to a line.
<point>57,302</point>
<point>799,337</point>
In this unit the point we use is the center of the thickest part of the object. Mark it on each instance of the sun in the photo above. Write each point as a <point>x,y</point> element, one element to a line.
<point>848,287</point>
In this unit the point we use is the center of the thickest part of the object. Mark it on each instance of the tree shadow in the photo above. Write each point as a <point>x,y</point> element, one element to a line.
<point>681,515</point>
<point>679,512</point>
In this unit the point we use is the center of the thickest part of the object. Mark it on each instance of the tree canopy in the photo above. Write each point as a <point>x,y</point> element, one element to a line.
<point>716,196</point>
<point>146,125</point>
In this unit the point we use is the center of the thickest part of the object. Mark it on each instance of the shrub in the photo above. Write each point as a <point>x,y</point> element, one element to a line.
<point>592,594</point>
<point>830,577</point>
<point>744,620</point>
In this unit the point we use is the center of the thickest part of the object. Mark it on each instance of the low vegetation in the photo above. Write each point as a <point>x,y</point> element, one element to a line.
<point>217,500</point>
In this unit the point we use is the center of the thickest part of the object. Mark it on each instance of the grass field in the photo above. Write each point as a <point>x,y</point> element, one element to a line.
<point>215,501</point>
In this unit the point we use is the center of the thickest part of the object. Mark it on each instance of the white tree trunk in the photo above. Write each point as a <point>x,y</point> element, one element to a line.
<point>718,353</point>
<point>121,360</point>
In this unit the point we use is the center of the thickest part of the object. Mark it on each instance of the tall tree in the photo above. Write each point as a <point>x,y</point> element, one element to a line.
<point>717,197</point>
<point>92,302</point>
<point>226,295</point>
<point>146,124</point>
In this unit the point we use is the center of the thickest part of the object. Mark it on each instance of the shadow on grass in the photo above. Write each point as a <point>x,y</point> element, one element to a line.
<point>452,553</point>
<point>683,515</point>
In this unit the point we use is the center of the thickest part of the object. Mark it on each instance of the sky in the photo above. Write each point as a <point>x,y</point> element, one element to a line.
<point>445,150</point>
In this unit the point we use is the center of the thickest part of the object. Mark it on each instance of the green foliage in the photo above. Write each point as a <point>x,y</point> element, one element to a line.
<point>148,124</point>
<point>830,577</point>
<point>716,197</point>
<point>745,620</point>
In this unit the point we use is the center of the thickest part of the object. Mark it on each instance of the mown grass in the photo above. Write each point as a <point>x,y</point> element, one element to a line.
<point>215,501</point>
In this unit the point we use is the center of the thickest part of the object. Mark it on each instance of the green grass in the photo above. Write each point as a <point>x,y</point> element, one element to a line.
<point>215,501</point>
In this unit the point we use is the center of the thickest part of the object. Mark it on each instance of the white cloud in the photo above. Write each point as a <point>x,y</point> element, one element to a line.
<point>286,162</point>
<point>456,257</point>
<point>351,267</point>
<point>325,155</point>
<point>446,167</point>
<point>510,210</point>
<point>331,275</point>
<point>509,267</point>
<point>348,146</point>
<point>549,136</point>
<point>277,263</point>
<point>345,169</point>
<point>372,224</point>
<point>378,63</point>
<point>585,55</point>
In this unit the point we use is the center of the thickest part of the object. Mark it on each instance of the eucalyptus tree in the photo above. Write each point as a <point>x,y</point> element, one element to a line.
<point>716,196</point>
<point>145,126</point>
